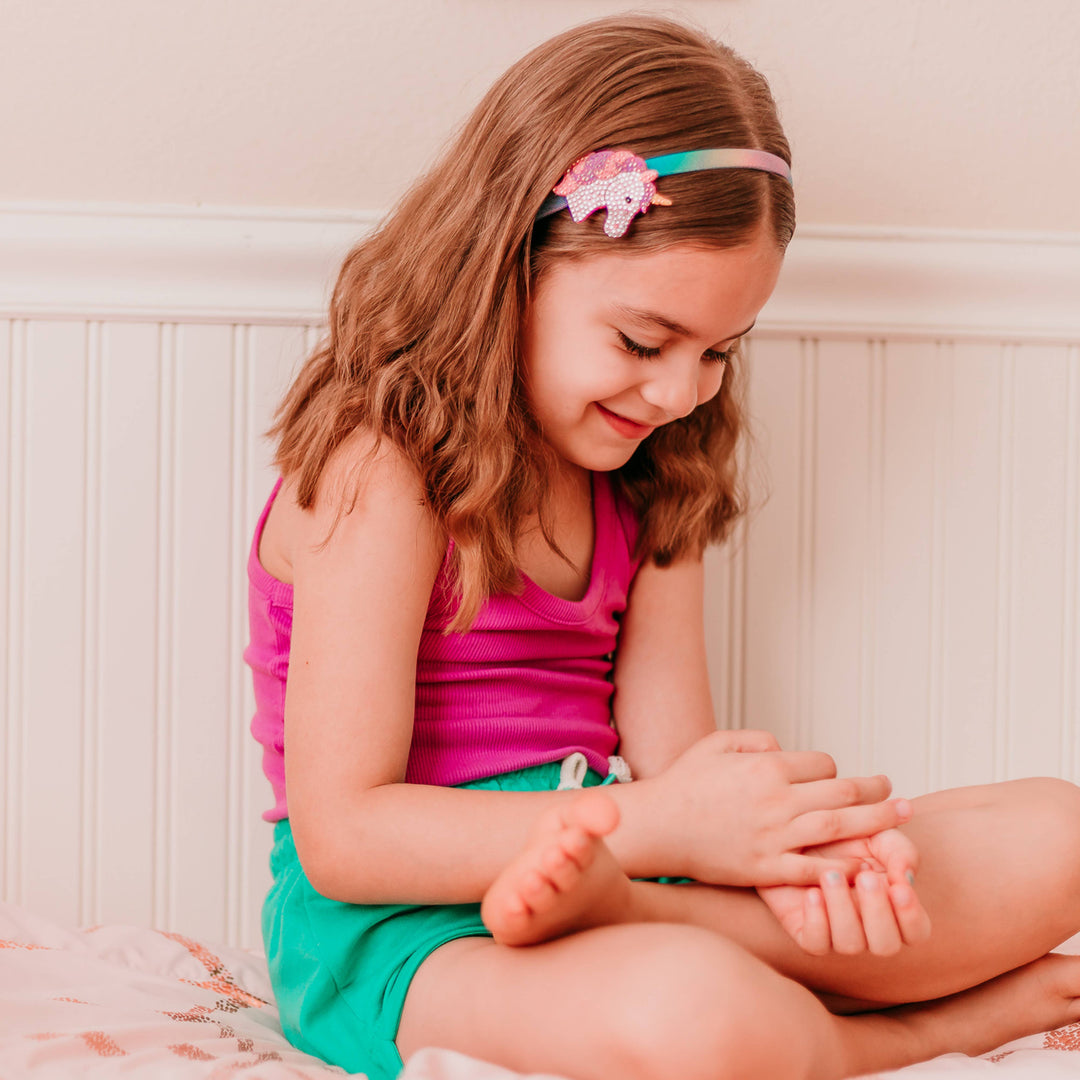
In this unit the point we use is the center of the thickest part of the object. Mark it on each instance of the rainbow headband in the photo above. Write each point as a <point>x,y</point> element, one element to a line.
<point>624,184</point>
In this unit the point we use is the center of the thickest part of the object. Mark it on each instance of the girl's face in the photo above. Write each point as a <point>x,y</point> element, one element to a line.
<point>614,346</point>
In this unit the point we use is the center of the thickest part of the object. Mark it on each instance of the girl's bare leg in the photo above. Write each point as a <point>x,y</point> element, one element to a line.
<point>1000,877</point>
<point>655,1000</point>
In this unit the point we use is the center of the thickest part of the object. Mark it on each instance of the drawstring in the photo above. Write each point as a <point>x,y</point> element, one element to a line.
<point>575,766</point>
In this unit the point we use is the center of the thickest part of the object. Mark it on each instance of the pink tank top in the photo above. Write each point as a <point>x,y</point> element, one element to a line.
<point>529,683</point>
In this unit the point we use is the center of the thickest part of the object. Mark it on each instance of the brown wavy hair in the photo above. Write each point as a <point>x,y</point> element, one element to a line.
<point>422,345</point>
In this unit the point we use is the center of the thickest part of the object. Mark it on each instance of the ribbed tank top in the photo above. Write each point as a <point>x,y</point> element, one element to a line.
<point>529,683</point>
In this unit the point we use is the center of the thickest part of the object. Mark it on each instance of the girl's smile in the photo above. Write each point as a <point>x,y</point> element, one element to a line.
<point>615,346</point>
<point>625,426</point>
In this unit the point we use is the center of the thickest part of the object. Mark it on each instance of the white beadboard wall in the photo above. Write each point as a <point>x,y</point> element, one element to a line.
<point>907,598</point>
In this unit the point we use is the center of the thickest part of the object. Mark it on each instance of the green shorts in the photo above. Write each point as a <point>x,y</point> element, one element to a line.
<point>340,972</point>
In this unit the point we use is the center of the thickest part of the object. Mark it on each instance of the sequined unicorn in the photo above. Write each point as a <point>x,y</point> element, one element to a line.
<point>617,180</point>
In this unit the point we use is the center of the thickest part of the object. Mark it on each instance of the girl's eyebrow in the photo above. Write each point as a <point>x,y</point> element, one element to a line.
<point>655,318</point>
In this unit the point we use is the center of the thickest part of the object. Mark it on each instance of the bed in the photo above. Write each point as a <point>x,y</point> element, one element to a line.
<point>115,1000</point>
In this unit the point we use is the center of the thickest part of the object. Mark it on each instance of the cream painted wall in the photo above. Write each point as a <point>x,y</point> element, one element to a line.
<point>954,113</point>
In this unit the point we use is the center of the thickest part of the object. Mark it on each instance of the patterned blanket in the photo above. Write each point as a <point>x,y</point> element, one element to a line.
<point>112,1001</point>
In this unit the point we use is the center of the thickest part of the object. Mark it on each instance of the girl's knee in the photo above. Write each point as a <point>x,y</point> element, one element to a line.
<point>1063,795</point>
<point>699,1007</point>
<point>1059,817</point>
<point>1045,811</point>
<point>1054,806</point>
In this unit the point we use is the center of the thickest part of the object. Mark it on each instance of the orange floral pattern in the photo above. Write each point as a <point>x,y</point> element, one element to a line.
<point>102,1044</point>
<point>221,981</point>
<point>1066,1038</point>
<point>217,1002</point>
<point>192,1053</point>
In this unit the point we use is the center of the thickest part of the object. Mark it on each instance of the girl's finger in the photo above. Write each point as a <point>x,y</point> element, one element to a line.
<point>879,923</point>
<point>900,870</point>
<point>814,937</point>
<point>845,926</point>
<point>802,765</point>
<point>899,853</point>
<point>793,869</point>
<point>746,741</point>
<point>911,917</point>
<point>819,827</point>
<point>835,794</point>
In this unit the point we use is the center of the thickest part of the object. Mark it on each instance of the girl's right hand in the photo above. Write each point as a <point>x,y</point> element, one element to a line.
<point>752,809</point>
<point>879,912</point>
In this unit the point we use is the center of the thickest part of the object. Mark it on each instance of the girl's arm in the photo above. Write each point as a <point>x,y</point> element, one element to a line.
<point>360,600</point>
<point>662,702</point>
<point>365,836</point>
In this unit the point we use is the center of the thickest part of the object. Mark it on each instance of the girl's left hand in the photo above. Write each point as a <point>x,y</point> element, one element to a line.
<point>879,914</point>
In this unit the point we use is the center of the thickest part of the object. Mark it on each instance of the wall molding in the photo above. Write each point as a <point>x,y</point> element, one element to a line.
<point>276,266</point>
<point>181,264</point>
<point>911,283</point>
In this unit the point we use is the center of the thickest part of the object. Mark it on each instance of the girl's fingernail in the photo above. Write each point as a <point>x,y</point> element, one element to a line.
<point>903,808</point>
<point>814,898</point>
<point>869,882</point>
<point>910,875</point>
<point>833,877</point>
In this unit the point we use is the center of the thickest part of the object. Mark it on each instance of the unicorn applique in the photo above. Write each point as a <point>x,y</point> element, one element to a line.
<point>615,179</point>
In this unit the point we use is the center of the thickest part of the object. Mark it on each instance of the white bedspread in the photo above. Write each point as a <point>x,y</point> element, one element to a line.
<point>121,1001</point>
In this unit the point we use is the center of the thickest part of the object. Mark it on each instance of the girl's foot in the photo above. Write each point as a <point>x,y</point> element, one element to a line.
<point>1039,996</point>
<point>565,879</point>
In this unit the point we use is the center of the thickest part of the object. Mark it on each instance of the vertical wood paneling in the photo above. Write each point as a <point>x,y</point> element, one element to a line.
<point>201,650</point>
<point>1070,713</point>
<point>841,543</point>
<point>902,653</point>
<point>255,833</point>
<point>91,632</point>
<point>238,473</point>
<point>1038,609</point>
<point>805,657</point>
<point>165,624</point>
<point>773,633</point>
<point>942,416</point>
<point>735,698</point>
<point>718,600</point>
<point>725,570</point>
<point>1004,577</point>
<point>51,797</point>
<point>874,524</point>
<point>128,661</point>
<point>970,567</point>
<point>12,367</point>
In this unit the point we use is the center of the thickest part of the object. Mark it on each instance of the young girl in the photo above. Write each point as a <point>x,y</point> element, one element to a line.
<point>477,588</point>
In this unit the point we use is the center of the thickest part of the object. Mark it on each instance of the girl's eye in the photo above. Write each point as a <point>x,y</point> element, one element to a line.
<point>632,346</point>
<point>714,356</point>
<point>710,356</point>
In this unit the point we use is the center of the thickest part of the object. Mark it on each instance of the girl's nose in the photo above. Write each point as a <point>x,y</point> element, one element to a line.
<point>674,389</point>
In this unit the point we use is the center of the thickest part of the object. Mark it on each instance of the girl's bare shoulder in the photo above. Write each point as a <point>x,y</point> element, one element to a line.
<point>367,486</point>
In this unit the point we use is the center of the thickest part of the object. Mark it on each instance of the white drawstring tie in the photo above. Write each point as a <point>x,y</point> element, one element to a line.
<point>576,765</point>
